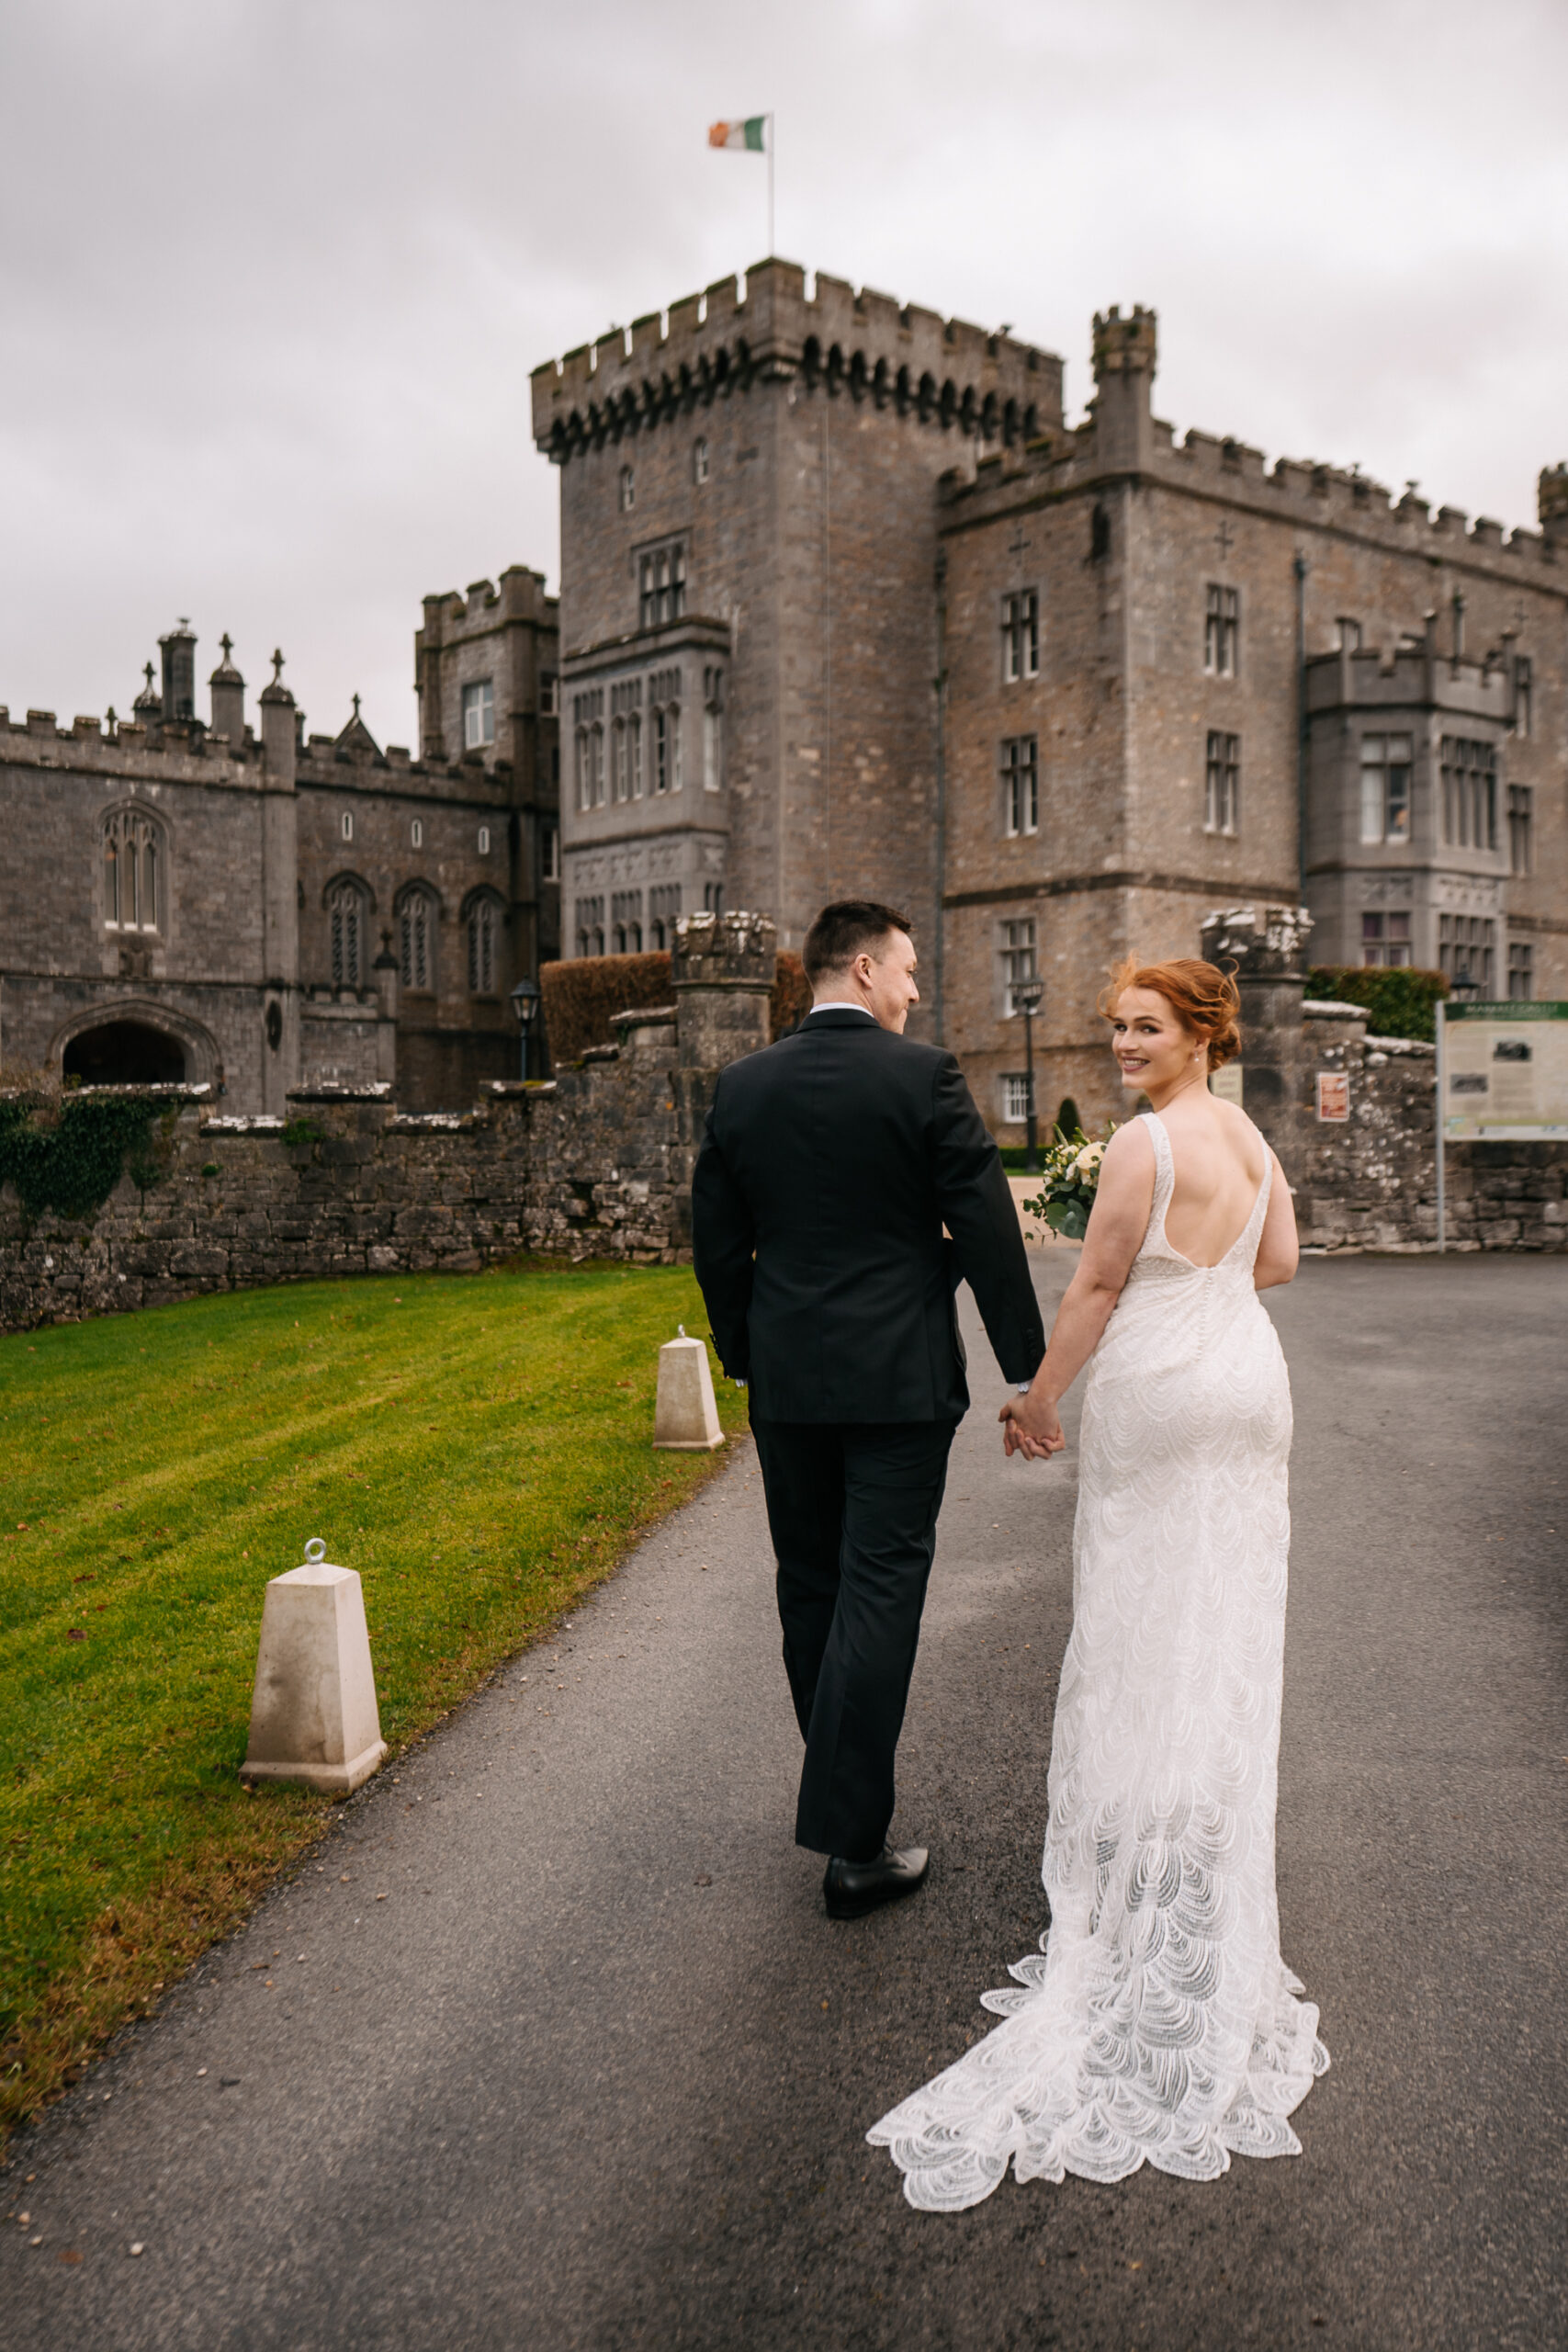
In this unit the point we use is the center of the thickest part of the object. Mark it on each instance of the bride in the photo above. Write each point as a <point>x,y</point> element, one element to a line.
<point>1161,2024</point>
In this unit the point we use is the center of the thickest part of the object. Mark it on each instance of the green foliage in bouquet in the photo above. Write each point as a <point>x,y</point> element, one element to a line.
<point>1071,1178</point>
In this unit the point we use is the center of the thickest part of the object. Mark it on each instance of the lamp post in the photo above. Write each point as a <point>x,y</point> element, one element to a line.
<point>526,1005</point>
<point>1026,999</point>
<point>1464,988</point>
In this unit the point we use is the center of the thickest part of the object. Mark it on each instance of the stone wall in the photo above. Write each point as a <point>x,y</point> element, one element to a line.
<point>596,1163</point>
<point>1371,1181</point>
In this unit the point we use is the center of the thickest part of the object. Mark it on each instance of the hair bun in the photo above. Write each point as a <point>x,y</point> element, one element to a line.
<point>1204,1000</point>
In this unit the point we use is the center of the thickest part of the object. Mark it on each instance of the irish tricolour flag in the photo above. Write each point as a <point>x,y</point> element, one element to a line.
<point>749,137</point>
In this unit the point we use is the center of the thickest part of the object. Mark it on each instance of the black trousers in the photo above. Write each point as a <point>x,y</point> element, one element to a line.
<point>852,1510</point>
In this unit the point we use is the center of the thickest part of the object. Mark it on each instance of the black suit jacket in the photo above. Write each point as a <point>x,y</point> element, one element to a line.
<point>830,1164</point>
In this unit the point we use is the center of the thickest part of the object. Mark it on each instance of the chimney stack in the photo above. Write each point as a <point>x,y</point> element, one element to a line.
<point>178,650</point>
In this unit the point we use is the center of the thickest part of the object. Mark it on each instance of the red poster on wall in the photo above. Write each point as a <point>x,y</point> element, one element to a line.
<point>1333,1094</point>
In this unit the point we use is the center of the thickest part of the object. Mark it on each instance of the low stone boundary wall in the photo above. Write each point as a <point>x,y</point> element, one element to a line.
<point>596,1164</point>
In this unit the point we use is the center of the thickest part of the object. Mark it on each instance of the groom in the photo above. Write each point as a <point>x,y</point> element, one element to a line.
<point>830,1164</point>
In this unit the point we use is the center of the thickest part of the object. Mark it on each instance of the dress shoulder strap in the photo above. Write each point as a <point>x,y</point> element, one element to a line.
<point>1165,1175</point>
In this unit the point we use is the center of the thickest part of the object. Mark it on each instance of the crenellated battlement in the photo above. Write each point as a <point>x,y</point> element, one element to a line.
<point>861,344</point>
<point>1117,435</point>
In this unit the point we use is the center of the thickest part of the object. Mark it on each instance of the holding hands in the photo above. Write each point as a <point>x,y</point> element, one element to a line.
<point>1031,1425</point>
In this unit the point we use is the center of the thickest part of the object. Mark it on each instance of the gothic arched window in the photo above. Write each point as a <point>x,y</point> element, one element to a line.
<point>416,941</point>
<point>134,882</point>
<point>350,941</point>
<point>484,948</point>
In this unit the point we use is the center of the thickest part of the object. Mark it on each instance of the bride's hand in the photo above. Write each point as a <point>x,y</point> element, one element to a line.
<point>1031,1425</point>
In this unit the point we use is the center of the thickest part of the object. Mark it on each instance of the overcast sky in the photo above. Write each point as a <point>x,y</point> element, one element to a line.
<point>273,273</point>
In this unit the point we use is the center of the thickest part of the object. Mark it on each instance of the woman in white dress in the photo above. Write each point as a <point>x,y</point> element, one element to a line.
<point>1161,2024</point>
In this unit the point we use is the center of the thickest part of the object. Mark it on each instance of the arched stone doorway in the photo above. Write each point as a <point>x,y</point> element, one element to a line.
<point>125,1053</point>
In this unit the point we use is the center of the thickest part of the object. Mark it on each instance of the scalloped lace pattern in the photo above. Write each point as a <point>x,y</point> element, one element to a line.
<point>1158,2024</point>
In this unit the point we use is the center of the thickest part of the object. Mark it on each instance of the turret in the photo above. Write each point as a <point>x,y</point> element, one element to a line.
<point>228,691</point>
<point>279,733</point>
<point>1551,504</point>
<point>1124,355</point>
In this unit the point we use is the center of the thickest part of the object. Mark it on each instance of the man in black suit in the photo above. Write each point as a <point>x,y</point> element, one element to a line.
<point>830,1164</point>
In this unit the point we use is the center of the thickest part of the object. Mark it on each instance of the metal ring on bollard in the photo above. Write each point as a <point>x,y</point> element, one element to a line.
<point>315,1550</point>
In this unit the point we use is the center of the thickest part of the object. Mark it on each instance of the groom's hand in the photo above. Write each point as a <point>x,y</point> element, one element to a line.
<point>1031,1425</point>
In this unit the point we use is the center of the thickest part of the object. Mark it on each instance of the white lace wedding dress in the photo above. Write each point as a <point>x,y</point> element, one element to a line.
<point>1161,2024</point>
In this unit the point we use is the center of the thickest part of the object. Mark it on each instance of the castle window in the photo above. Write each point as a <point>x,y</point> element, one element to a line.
<point>580,747</point>
<point>346,924</point>
<point>1099,533</point>
<point>627,489</point>
<point>1521,971</point>
<point>1466,944</point>
<point>345,825</point>
<point>664,694</point>
<point>549,693</point>
<point>479,715</point>
<point>1020,784</point>
<point>596,766</point>
<point>133,881</point>
<point>1222,783</point>
<point>416,834</point>
<point>1524,694</point>
<point>416,941</point>
<point>713,729</point>
<point>1385,938</point>
<point>549,854</point>
<point>1470,793</point>
<point>484,841</point>
<point>1521,828</point>
<point>1385,788</point>
<point>483,925</point>
<point>620,762</point>
<point>626,922</point>
<point>1222,631</point>
<point>663,908</point>
<point>1021,636</point>
<point>661,585</point>
<point>1015,1098</point>
<point>1016,945</point>
<point>591,926</point>
<point>699,461</point>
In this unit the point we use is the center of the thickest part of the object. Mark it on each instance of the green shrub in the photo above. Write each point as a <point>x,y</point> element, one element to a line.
<point>301,1130</point>
<point>1400,1000</point>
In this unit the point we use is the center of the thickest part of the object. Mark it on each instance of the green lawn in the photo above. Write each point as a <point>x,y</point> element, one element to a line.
<point>478,1447</point>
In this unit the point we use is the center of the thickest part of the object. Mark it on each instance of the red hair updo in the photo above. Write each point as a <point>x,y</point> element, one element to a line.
<point>1204,1000</point>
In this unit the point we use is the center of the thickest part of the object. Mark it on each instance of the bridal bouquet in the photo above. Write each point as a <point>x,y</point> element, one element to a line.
<point>1071,1175</point>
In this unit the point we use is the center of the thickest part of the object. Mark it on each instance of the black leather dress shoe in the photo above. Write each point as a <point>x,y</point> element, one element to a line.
<point>852,1889</point>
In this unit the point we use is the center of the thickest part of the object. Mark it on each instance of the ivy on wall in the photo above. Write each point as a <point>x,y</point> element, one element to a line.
<point>69,1156</point>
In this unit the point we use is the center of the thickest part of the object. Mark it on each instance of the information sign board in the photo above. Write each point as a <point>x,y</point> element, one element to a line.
<point>1504,1072</point>
<point>1333,1094</point>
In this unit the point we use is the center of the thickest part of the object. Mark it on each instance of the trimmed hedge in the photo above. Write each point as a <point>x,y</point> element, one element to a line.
<point>581,997</point>
<point>1399,999</point>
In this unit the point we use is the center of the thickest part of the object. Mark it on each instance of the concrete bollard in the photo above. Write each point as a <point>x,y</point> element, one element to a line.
<point>313,1716</point>
<point>685,1419</point>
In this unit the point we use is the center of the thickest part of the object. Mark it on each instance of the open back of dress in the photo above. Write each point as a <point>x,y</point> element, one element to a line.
<point>1159,2024</point>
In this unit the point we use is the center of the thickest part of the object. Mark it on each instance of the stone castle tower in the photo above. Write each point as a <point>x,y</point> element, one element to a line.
<point>749,534</point>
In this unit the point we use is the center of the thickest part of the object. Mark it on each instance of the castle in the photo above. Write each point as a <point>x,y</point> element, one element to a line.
<point>258,909</point>
<point>846,607</point>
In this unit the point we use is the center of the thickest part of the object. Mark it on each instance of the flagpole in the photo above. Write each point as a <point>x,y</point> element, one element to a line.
<point>772,134</point>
